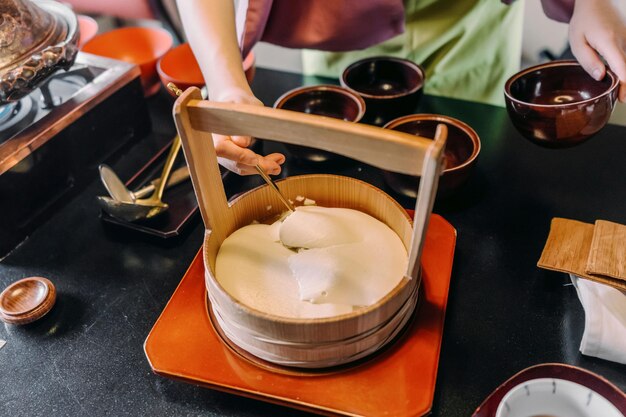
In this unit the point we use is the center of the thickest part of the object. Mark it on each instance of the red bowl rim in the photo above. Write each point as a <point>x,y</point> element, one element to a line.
<point>324,87</point>
<point>416,67</point>
<point>152,29</point>
<point>471,133</point>
<point>175,80</point>
<point>247,63</point>
<point>554,64</point>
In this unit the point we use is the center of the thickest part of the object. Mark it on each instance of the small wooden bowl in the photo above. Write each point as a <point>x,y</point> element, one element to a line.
<point>27,300</point>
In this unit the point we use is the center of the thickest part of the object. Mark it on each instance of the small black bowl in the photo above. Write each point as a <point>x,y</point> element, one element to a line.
<point>391,87</point>
<point>322,100</point>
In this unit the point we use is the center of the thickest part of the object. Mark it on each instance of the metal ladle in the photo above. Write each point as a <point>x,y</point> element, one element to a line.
<point>273,186</point>
<point>143,208</point>
<point>119,192</point>
<point>152,206</point>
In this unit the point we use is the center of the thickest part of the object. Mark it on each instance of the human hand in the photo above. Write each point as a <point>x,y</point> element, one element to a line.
<point>232,151</point>
<point>598,27</point>
<point>210,29</point>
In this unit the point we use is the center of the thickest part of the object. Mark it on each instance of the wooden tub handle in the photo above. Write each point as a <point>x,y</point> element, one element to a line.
<point>387,149</point>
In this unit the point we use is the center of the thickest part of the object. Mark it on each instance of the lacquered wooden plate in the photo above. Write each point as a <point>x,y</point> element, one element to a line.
<point>399,381</point>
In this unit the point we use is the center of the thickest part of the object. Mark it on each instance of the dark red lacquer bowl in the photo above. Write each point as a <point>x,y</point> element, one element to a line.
<point>323,100</point>
<point>558,104</point>
<point>391,87</point>
<point>462,149</point>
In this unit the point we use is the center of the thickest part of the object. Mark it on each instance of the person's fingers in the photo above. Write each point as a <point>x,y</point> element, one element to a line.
<point>271,163</point>
<point>279,158</point>
<point>591,62</point>
<point>587,57</point>
<point>616,58</point>
<point>243,160</point>
<point>238,169</point>
<point>243,141</point>
<point>226,148</point>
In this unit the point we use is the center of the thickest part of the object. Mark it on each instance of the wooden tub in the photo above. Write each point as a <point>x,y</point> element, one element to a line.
<point>308,343</point>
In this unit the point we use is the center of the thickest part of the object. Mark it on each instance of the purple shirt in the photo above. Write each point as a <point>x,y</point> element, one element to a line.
<point>343,25</point>
<point>322,24</point>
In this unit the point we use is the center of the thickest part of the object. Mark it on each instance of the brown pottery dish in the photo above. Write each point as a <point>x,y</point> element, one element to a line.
<point>323,100</point>
<point>462,149</point>
<point>391,87</point>
<point>558,104</point>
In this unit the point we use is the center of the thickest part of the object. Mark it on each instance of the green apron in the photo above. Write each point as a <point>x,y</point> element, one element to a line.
<point>468,47</point>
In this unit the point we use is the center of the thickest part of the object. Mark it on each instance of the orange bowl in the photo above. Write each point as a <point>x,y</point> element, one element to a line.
<point>88,28</point>
<point>179,66</point>
<point>142,46</point>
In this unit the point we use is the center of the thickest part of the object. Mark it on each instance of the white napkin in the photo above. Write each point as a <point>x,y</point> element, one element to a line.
<point>605,320</point>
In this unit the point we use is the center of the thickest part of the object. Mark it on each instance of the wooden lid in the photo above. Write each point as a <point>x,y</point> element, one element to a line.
<point>27,300</point>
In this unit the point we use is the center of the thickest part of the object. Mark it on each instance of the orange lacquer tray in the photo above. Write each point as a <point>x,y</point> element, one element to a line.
<point>399,381</point>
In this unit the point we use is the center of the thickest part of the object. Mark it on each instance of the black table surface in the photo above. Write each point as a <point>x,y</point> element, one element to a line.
<point>504,314</point>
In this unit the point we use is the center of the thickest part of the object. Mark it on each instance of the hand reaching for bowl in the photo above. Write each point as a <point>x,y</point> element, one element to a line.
<point>598,29</point>
<point>232,151</point>
<point>215,46</point>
